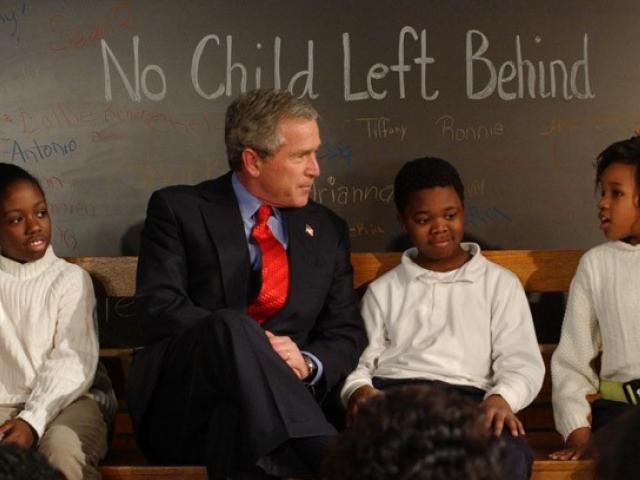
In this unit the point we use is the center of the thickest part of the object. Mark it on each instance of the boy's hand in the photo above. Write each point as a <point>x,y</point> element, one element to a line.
<point>359,397</point>
<point>577,446</point>
<point>17,432</point>
<point>498,414</point>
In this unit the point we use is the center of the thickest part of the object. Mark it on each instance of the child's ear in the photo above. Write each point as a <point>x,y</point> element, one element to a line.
<point>401,222</point>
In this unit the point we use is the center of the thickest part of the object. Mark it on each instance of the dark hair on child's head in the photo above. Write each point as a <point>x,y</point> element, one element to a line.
<point>10,173</point>
<point>426,172</point>
<point>624,151</point>
<point>416,433</point>
<point>25,464</point>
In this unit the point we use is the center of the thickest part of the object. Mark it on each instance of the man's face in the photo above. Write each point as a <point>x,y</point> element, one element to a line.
<point>285,178</point>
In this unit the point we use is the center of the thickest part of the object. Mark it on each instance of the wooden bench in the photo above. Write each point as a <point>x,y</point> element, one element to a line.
<point>541,272</point>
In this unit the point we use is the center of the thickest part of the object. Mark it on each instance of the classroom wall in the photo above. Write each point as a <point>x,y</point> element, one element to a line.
<point>107,101</point>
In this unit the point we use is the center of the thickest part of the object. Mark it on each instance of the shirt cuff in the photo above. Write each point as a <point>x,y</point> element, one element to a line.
<point>349,389</point>
<point>509,395</point>
<point>566,426</point>
<point>37,421</point>
<point>319,371</point>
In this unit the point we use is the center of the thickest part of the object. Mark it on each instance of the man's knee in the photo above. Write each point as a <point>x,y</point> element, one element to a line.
<point>228,326</point>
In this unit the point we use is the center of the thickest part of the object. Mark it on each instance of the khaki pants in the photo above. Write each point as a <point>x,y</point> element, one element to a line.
<point>74,441</point>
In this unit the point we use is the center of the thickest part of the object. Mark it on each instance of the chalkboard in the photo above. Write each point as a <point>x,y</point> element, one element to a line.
<point>106,101</point>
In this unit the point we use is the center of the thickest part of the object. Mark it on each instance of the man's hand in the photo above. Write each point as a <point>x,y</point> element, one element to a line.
<point>17,432</point>
<point>576,447</point>
<point>290,353</point>
<point>357,398</point>
<point>498,414</point>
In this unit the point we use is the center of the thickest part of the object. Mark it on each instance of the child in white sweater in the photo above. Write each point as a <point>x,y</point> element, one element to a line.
<point>48,342</point>
<point>448,316</point>
<point>603,312</point>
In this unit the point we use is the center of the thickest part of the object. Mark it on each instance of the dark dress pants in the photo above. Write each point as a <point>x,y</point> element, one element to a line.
<point>518,458</point>
<point>615,439</point>
<point>609,421</point>
<point>605,412</point>
<point>227,400</point>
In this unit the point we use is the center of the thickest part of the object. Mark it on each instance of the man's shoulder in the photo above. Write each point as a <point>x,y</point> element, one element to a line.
<point>329,215</point>
<point>217,186</point>
<point>175,191</point>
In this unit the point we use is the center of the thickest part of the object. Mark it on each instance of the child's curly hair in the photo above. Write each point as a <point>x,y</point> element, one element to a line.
<point>425,172</point>
<point>416,433</point>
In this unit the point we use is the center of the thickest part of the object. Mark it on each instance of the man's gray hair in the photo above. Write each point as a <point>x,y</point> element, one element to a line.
<point>252,122</point>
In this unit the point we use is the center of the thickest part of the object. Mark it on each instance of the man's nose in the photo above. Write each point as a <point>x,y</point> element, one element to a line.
<point>313,168</point>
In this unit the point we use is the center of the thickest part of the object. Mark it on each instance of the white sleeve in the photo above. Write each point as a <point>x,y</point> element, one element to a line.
<point>572,376</point>
<point>70,365</point>
<point>373,316</point>
<point>518,368</point>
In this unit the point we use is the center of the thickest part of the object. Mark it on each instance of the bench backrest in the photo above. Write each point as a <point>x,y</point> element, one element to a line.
<point>538,270</point>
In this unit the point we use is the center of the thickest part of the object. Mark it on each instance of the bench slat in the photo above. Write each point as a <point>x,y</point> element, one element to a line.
<point>152,473</point>
<point>556,470</point>
<point>538,270</point>
<point>113,276</point>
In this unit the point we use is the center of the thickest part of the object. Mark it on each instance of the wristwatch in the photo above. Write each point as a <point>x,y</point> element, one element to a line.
<point>311,365</point>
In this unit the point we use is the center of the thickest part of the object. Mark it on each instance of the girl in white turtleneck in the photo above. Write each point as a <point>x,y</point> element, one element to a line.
<point>48,342</point>
<point>603,312</point>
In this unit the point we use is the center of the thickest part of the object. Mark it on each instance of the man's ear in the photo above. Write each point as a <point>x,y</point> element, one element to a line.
<point>251,162</point>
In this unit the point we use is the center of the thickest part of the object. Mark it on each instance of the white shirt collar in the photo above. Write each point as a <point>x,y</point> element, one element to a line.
<point>469,272</point>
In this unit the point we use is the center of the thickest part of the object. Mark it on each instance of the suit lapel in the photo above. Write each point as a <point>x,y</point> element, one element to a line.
<point>224,224</point>
<point>303,234</point>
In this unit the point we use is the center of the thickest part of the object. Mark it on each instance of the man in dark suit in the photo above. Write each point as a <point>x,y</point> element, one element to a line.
<point>245,295</point>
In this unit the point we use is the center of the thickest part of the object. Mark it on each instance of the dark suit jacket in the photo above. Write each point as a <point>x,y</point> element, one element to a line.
<point>194,260</point>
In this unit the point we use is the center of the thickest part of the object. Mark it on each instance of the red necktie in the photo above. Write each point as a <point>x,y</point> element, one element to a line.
<point>274,273</point>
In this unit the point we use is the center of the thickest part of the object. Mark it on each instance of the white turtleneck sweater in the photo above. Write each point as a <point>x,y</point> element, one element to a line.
<point>603,313</point>
<point>48,343</point>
